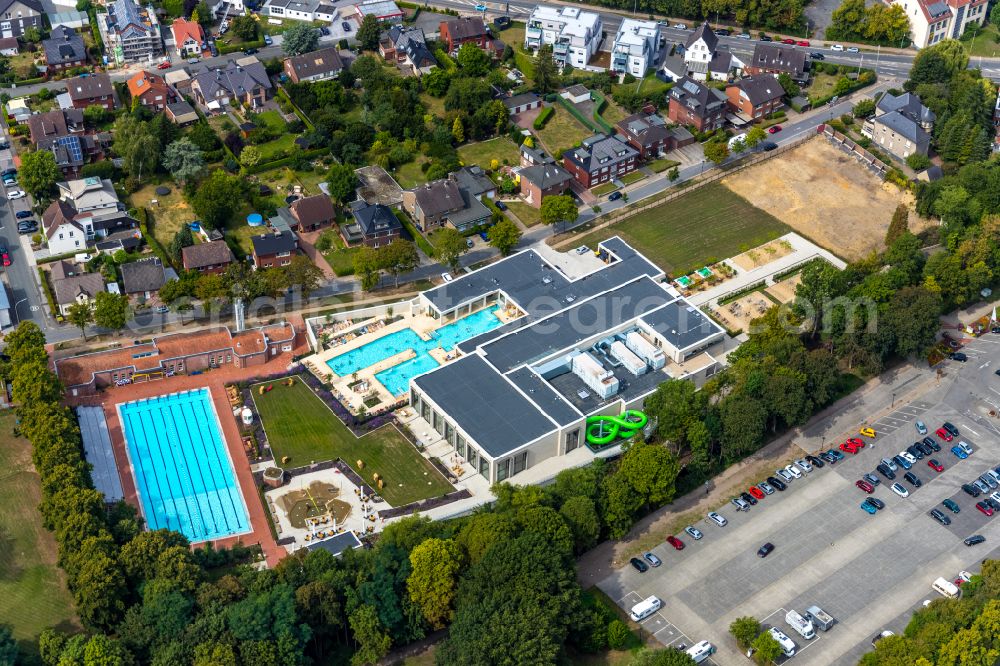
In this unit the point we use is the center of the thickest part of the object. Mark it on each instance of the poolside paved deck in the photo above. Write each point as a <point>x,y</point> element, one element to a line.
<point>215,380</point>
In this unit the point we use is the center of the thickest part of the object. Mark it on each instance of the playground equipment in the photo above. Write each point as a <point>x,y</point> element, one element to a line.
<point>603,430</point>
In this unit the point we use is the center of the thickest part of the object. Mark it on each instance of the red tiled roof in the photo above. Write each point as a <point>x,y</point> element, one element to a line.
<point>184,30</point>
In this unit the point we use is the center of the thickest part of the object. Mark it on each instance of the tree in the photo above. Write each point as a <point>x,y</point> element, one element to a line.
<point>651,471</point>
<point>473,60</point>
<point>677,406</point>
<point>398,257</point>
<point>368,267</point>
<point>559,208</point>
<point>217,198</point>
<point>245,27</point>
<point>81,316</point>
<point>183,159</point>
<point>790,87</point>
<point>995,15</point>
<point>848,19</point>
<point>304,274</point>
<point>181,240</point>
<point>754,136</point>
<point>342,182</point>
<point>250,157</point>
<point>580,514</point>
<point>137,145</point>
<point>8,646</point>
<point>39,173</point>
<point>899,224</point>
<point>716,151</point>
<point>504,236</point>
<point>546,70</point>
<point>864,109</point>
<point>664,657</point>
<point>744,630</point>
<point>458,130</point>
<point>373,642</point>
<point>449,245</point>
<point>111,310</point>
<point>618,634</point>
<point>436,81</point>
<point>673,174</point>
<point>368,32</point>
<point>913,318</point>
<point>434,580</point>
<point>302,38</point>
<point>766,648</point>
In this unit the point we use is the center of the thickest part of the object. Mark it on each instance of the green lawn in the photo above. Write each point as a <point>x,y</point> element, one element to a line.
<point>410,175</point>
<point>986,43</point>
<point>529,215</point>
<point>285,142</point>
<point>32,588</point>
<point>601,190</point>
<point>822,85</point>
<point>299,425</point>
<point>704,226</point>
<point>272,120</point>
<point>340,257</point>
<point>662,165</point>
<point>633,177</point>
<point>651,88</point>
<point>170,212</point>
<point>561,132</point>
<point>482,153</point>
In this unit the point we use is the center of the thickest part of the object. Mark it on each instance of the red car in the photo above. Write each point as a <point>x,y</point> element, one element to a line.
<point>774,129</point>
<point>788,41</point>
<point>959,582</point>
<point>984,508</point>
<point>943,434</point>
<point>935,465</point>
<point>858,443</point>
<point>757,492</point>
<point>675,542</point>
<point>164,65</point>
<point>5,259</point>
<point>802,43</point>
<point>865,486</point>
<point>847,447</point>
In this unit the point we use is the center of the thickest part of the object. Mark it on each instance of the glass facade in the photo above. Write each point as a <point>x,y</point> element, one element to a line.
<point>572,440</point>
<point>460,446</point>
<point>520,462</point>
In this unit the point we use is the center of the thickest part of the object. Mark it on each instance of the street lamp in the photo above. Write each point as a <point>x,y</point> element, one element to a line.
<point>15,309</point>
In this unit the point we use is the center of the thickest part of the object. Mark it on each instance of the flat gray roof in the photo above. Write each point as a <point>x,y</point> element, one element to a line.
<point>682,324</point>
<point>99,452</point>
<point>548,400</point>
<point>485,405</point>
<point>337,544</point>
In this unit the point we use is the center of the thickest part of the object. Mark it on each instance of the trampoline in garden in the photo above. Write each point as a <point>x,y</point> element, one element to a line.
<point>255,219</point>
<point>705,272</point>
<point>292,197</point>
<point>162,191</point>
<point>683,281</point>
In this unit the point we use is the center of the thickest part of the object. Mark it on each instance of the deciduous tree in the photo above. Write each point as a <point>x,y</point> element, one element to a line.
<point>80,315</point>
<point>111,311</point>
<point>368,32</point>
<point>559,208</point>
<point>473,60</point>
<point>504,236</point>
<point>39,173</point>
<point>434,580</point>
<point>302,38</point>
<point>449,245</point>
<point>342,182</point>
<point>399,257</point>
<point>716,151</point>
<point>744,630</point>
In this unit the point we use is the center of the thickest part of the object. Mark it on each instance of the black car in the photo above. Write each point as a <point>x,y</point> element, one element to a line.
<point>975,539</point>
<point>815,462</point>
<point>940,517</point>
<point>951,505</point>
<point>346,26</point>
<point>913,479</point>
<point>11,171</point>
<point>970,489</point>
<point>501,205</point>
<point>830,458</point>
<point>615,196</point>
<point>723,32</point>
<point>816,55</point>
<point>23,214</point>
<point>924,448</point>
<point>776,482</point>
<point>914,451</point>
<point>765,38</point>
<point>885,471</point>
<point>958,356</point>
<point>768,146</point>
<point>639,565</point>
<point>952,430</point>
<point>875,502</point>
<point>995,505</point>
<point>748,498</point>
<point>931,442</point>
<point>765,550</point>
<point>250,51</point>
<point>325,32</point>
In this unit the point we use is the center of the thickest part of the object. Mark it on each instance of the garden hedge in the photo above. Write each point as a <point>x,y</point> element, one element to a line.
<point>543,118</point>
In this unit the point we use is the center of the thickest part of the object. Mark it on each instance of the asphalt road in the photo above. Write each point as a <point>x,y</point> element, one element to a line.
<point>869,572</point>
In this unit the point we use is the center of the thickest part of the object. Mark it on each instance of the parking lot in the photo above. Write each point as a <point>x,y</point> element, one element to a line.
<point>868,571</point>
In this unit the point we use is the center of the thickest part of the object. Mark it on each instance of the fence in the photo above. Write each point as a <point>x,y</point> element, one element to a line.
<point>872,163</point>
<point>716,174</point>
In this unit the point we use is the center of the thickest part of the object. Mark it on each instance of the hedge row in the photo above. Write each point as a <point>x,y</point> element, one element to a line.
<point>43,277</point>
<point>543,117</point>
<point>418,238</point>
<point>285,161</point>
<point>233,48</point>
<point>445,60</point>
<point>142,215</point>
<point>283,94</point>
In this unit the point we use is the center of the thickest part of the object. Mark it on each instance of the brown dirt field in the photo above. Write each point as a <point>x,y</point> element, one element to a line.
<point>826,196</point>
<point>761,255</point>
<point>784,291</point>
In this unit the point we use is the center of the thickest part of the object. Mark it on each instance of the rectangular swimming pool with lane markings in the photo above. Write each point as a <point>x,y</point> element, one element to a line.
<point>183,473</point>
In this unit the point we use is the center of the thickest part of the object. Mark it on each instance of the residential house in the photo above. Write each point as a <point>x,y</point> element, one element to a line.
<point>300,10</point>
<point>693,103</point>
<point>647,132</point>
<point>274,249</point>
<point>703,59</point>
<point>54,124</point>
<point>376,186</point>
<point>934,20</point>
<point>474,180</point>
<point>521,103</point>
<point>64,49</point>
<point>385,11</point>
<point>151,90</point>
<point>754,97</point>
<point>72,152</point>
<point>189,37</point>
<point>542,180</point>
<point>374,225</point>
<point>142,278</point>
<point>87,210</point>
<point>89,194</point>
<point>446,201</point>
<point>9,46</point>
<point>70,287</point>
<point>469,29</point>
<point>131,33</point>
<point>774,58</point>
<point>247,83</point>
<point>16,16</point>
<point>92,90</point>
<point>211,257</point>
<point>63,234</point>
<point>575,35</point>
<point>530,156</point>
<point>902,125</point>
<point>316,66</point>
<point>635,47</point>
<point>181,113</point>
<point>576,94</point>
<point>407,47</point>
<point>600,159</point>
<point>312,213</point>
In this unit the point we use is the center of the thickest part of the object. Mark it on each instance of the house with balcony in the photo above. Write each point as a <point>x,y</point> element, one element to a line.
<point>649,133</point>
<point>934,20</point>
<point>16,16</point>
<point>131,33</point>
<point>542,180</point>
<point>86,211</point>
<point>772,58</point>
<point>189,38</point>
<point>694,103</point>
<point>446,202</point>
<point>151,90</point>
<point>407,47</point>
<point>247,83</point>
<point>374,225</point>
<point>703,59</point>
<point>64,49</point>
<point>600,159</point>
<point>468,29</point>
<point>635,47</point>
<point>754,97</point>
<point>902,125</point>
<point>575,35</point>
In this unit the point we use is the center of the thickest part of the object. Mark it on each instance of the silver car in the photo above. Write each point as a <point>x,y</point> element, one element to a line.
<point>740,504</point>
<point>890,463</point>
<point>804,465</point>
<point>921,428</point>
<point>785,475</point>
<point>717,519</point>
<point>693,532</point>
<point>766,488</point>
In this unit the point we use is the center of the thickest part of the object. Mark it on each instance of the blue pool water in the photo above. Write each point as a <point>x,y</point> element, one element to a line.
<point>396,379</point>
<point>183,474</point>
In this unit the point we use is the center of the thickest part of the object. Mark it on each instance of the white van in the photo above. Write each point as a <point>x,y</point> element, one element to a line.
<point>700,651</point>
<point>786,643</point>
<point>946,588</point>
<point>645,608</point>
<point>802,626</point>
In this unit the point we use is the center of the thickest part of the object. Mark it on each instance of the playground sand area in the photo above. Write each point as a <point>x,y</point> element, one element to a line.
<point>318,499</point>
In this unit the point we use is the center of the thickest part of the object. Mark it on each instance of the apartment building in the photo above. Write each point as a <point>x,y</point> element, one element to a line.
<point>131,33</point>
<point>635,47</point>
<point>575,35</point>
<point>934,20</point>
<point>600,159</point>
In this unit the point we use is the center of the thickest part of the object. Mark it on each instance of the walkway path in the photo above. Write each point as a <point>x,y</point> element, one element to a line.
<point>307,242</point>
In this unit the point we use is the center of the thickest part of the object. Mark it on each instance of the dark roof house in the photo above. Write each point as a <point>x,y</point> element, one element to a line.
<point>779,59</point>
<point>314,66</point>
<point>64,48</point>
<point>205,256</point>
<point>143,277</point>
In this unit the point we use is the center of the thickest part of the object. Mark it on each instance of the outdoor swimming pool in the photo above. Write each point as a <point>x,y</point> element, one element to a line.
<point>183,473</point>
<point>396,379</point>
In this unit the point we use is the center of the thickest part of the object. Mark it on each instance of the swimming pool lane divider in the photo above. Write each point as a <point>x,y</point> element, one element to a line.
<point>221,488</point>
<point>181,475</point>
<point>183,413</point>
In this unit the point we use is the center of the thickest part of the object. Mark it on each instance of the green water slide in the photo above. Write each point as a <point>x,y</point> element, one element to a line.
<point>603,430</point>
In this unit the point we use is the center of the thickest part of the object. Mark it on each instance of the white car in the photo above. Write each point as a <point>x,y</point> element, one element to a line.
<point>900,490</point>
<point>766,488</point>
<point>905,455</point>
<point>680,26</point>
<point>717,519</point>
<point>785,475</point>
<point>447,277</point>
<point>15,194</point>
<point>804,465</point>
<point>965,575</point>
<point>965,446</point>
<point>995,497</point>
<point>794,471</point>
<point>837,47</point>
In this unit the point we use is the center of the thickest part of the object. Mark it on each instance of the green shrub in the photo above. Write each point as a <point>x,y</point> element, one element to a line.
<point>618,634</point>
<point>918,162</point>
<point>543,117</point>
